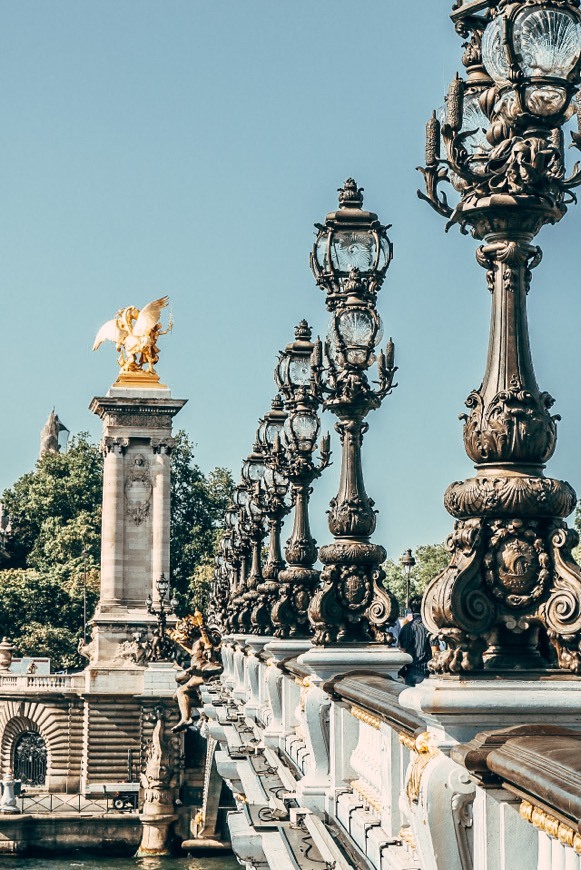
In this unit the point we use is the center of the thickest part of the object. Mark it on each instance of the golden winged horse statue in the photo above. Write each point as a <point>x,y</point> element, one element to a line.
<point>135,334</point>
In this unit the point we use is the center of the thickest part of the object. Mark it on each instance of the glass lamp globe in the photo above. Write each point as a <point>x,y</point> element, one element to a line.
<point>545,47</point>
<point>302,429</point>
<point>293,371</point>
<point>162,586</point>
<point>494,54</point>
<point>547,42</point>
<point>271,424</point>
<point>351,238</point>
<point>253,467</point>
<point>275,481</point>
<point>354,335</point>
<point>240,496</point>
<point>231,515</point>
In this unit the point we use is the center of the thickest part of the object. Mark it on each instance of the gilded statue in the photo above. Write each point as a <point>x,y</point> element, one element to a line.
<point>135,334</point>
<point>204,663</point>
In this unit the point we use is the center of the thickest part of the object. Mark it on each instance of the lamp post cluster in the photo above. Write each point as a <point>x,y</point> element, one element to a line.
<point>500,143</point>
<point>292,599</point>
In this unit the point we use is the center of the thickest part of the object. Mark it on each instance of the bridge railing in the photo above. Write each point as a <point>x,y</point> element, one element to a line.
<point>430,778</point>
<point>40,682</point>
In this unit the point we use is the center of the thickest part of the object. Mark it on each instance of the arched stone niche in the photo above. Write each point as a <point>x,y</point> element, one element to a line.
<point>63,742</point>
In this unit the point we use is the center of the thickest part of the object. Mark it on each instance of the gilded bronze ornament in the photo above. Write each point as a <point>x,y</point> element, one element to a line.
<point>350,259</point>
<point>512,581</point>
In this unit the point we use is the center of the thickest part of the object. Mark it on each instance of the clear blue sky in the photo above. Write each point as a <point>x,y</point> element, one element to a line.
<point>187,147</point>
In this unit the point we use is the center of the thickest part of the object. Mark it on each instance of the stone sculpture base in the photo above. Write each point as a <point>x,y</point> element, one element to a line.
<point>327,662</point>
<point>156,837</point>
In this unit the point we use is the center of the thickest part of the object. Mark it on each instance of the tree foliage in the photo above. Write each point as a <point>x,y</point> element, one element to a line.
<point>430,560</point>
<point>53,549</point>
<point>55,510</point>
<point>198,506</point>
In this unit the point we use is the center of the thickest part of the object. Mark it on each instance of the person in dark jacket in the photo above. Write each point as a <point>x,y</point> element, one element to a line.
<point>415,640</point>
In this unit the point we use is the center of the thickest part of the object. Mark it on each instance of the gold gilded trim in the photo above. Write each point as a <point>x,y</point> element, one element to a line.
<point>303,682</point>
<point>365,717</point>
<point>425,751</point>
<point>369,794</point>
<point>550,825</point>
<point>405,835</point>
<point>408,741</point>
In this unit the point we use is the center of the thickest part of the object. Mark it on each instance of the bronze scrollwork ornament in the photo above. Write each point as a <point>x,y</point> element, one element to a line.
<point>512,583</point>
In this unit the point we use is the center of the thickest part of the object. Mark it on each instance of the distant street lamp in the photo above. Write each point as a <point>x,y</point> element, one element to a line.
<point>160,648</point>
<point>407,562</point>
<point>349,261</point>
<point>292,454</point>
<point>237,608</point>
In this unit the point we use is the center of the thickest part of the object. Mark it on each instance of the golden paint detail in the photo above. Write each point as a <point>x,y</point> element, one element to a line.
<point>303,682</point>
<point>551,826</point>
<point>405,835</point>
<point>369,794</point>
<point>425,751</point>
<point>366,718</point>
<point>134,380</point>
<point>187,631</point>
<point>408,741</point>
<point>135,334</point>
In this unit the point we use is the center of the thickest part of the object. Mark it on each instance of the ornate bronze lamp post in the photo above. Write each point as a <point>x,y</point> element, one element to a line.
<point>270,497</point>
<point>253,469</point>
<point>511,572</point>
<point>293,455</point>
<point>407,562</point>
<point>237,618</point>
<point>349,261</point>
<point>274,487</point>
<point>160,648</point>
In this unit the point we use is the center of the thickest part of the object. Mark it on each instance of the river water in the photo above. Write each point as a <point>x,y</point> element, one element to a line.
<point>94,863</point>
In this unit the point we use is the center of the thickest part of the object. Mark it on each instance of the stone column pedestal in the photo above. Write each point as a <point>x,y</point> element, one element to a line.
<point>255,646</point>
<point>137,442</point>
<point>325,663</point>
<point>155,839</point>
<point>278,651</point>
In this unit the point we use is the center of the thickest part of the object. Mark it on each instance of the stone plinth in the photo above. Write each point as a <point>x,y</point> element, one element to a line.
<point>135,548</point>
<point>455,709</point>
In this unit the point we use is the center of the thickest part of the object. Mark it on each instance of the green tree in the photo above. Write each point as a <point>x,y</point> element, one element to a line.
<point>42,613</point>
<point>55,510</point>
<point>430,560</point>
<point>198,506</point>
